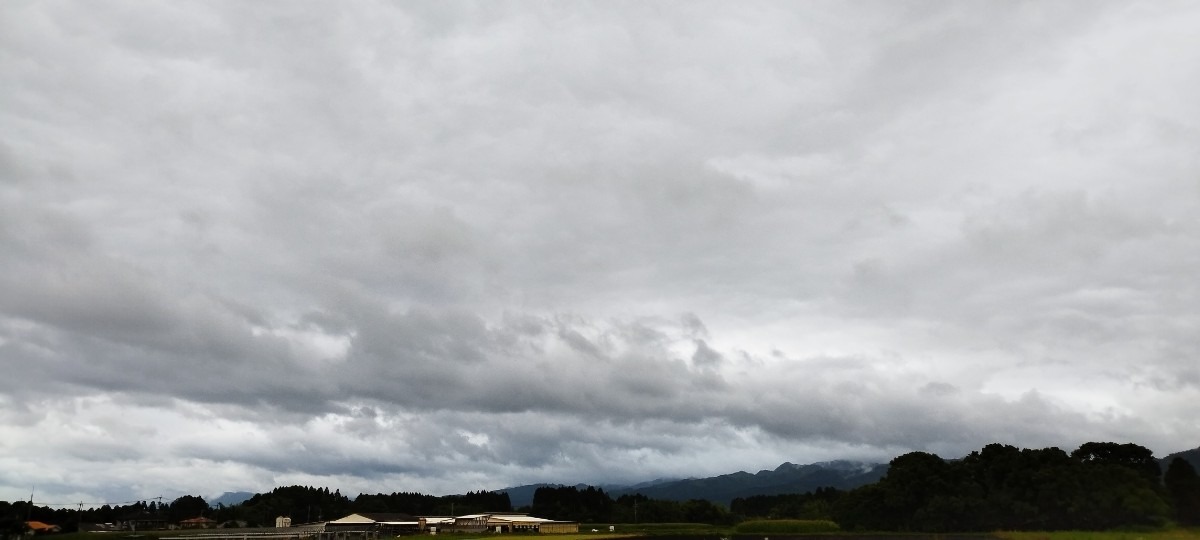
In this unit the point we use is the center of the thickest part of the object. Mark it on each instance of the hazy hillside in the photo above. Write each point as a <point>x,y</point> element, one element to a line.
<point>1191,456</point>
<point>523,495</point>
<point>787,478</point>
<point>230,498</point>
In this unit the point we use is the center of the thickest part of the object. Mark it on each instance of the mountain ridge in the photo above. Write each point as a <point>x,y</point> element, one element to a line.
<point>1191,456</point>
<point>230,498</point>
<point>786,478</point>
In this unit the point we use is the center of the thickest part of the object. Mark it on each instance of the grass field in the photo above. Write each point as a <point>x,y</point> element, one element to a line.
<point>655,528</point>
<point>628,530</point>
<point>786,526</point>
<point>1168,534</point>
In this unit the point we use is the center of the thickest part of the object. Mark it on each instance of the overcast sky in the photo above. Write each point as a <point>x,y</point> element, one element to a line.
<point>452,246</point>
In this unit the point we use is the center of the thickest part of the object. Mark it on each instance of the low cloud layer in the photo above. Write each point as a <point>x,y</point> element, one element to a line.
<point>443,247</point>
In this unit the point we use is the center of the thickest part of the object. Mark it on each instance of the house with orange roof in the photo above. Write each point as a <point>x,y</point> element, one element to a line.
<point>198,523</point>
<point>42,528</point>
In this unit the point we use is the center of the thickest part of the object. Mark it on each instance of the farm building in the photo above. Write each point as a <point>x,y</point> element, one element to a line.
<point>374,522</point>
<point>494,522</point>
<point>198,523</point>
<point>501,522</point>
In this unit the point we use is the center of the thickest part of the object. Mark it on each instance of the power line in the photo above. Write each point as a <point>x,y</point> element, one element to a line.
<point>110,503</point>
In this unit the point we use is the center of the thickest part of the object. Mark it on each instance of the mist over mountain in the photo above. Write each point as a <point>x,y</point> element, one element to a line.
<point>230,498</point>
<point>786,478</point>
<point>523,495</point>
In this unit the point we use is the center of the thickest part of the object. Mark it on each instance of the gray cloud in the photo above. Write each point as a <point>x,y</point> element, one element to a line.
<point>460,246</point>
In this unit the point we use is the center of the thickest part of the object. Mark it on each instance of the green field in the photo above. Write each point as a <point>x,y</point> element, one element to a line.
<point>785,528</point>
<point>1167,534</point>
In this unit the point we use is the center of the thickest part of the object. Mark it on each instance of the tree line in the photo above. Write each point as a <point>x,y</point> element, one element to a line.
<point>301,503</point>
<point>14,515</point>
<point>307,504</point>
<point>1098,486</point>
<point>593,505</point>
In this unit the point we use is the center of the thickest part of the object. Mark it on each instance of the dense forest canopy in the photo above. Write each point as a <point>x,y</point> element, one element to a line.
<point>1098,486</point>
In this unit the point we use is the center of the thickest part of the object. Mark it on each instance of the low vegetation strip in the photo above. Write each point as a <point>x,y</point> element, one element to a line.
<point>655,528</point>
<point>1165,534</point>
<point>592,536</point>
<point>786,526</point>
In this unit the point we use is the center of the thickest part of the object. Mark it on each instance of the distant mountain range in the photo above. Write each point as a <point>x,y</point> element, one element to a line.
<point>230,498</point>
<point>1191,456</point>
<point>786,478</point>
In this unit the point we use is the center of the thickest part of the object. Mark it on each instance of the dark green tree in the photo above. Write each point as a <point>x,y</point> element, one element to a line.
<point>913,480</point>
<point>1100,486</point>
<point>12,521</point>
<point>370,503</point>
<point>297,502</point>
<point>12,528</point>
<point>1134,457</point>
<point>861,509</point>
<point>187,507</point>
<point>703,511</point>
<point>1183,486</point>
<point>569,503</point>
<point>638,508</point>
<point>812,505</point>
<point>476,502</point>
